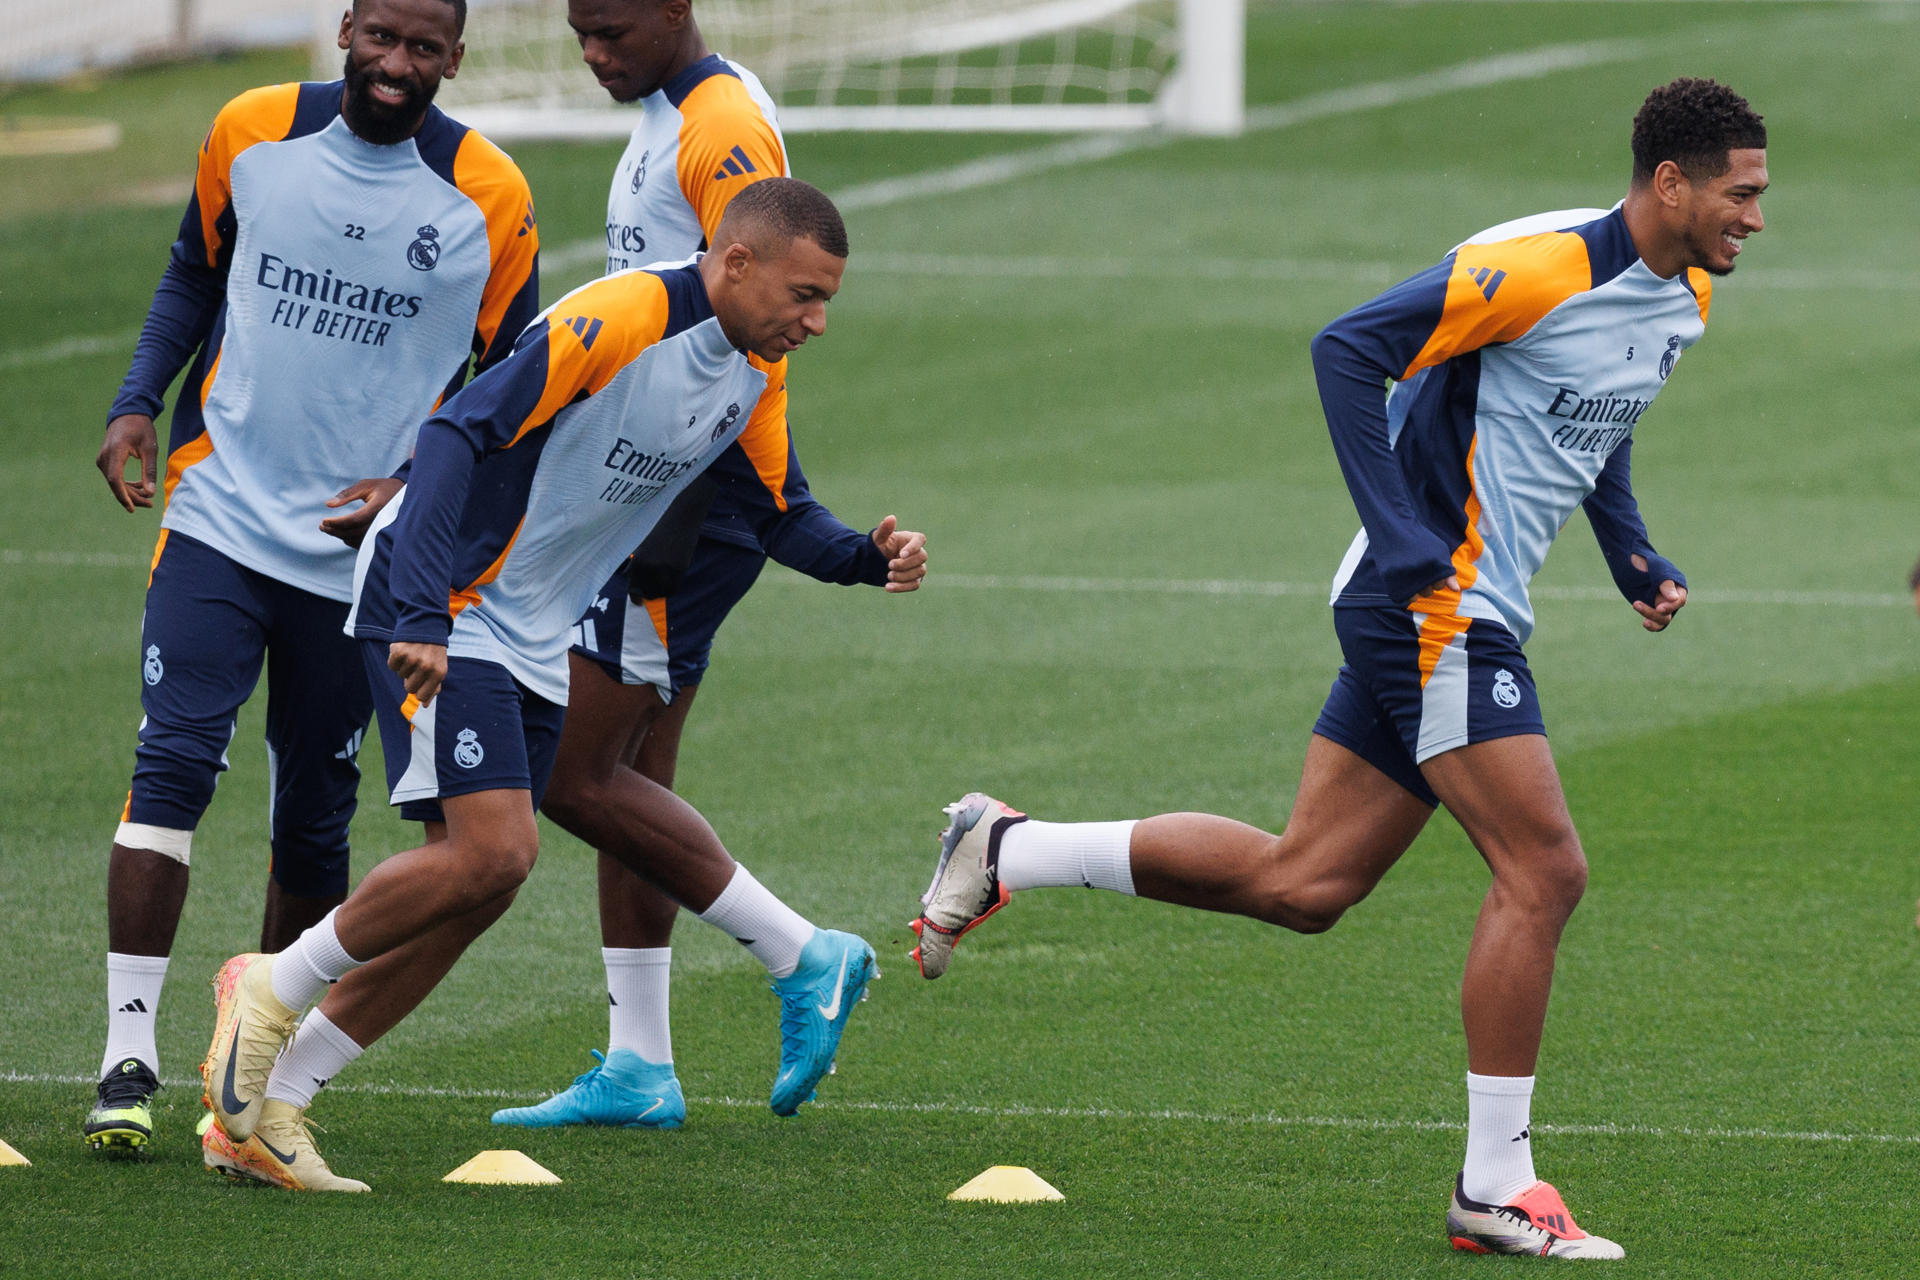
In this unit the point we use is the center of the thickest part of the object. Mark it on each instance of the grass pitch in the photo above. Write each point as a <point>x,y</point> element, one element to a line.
<point>1089,384</point>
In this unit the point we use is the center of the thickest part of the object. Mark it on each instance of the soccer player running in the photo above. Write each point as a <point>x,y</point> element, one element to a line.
<point>1522,362</point>
<point>526,490</point>
<point>346,251</point>
<point>706,131</point>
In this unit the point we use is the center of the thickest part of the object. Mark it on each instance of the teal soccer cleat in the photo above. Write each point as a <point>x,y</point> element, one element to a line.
<point>816,1000</point>
<point>623,1089</point>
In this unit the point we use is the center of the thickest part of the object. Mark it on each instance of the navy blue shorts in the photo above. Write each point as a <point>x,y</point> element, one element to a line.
<point>667,643</point>
<point>210,625</point>
<point>484,731</point>
<point>1415,685</point>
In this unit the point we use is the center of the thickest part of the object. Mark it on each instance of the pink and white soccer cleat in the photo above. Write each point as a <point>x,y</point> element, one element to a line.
<point>1537,1222</point>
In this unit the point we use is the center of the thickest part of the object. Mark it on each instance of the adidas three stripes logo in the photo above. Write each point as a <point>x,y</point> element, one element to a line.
<point>737,164</point>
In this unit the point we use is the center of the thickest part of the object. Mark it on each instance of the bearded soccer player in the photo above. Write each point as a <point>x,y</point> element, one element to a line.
<point>527,489</point>
<point>1522,363</point>
<point>347,252</point>
<point>707,130</point>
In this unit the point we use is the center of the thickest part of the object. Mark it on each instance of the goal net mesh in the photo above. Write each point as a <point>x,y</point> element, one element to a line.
<point>854,53</point>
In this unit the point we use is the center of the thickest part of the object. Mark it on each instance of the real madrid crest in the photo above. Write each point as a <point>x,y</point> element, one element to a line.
<point>640,172</point>
<point>726,424</point>
<point>467,751</point>
<point>424,253</point>
<point>1669,357</point>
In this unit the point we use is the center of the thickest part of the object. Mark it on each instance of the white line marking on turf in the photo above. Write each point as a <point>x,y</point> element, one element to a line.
<point>67,349</point>
<point>66,559</point>
<point>1320,590</point>
<point>1017,1111</point>
<point>994,170</point>
<point>1229,587</point>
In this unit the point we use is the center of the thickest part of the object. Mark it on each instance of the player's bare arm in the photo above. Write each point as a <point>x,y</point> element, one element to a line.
<point>906,553</point>
<point>131,435</point>
<point>372,495</point>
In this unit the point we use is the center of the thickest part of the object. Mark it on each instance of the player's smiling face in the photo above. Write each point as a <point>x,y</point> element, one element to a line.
<point>629,45</point>
<point>1722,212</point>
<point>398,51</point>
<point>774,304</point>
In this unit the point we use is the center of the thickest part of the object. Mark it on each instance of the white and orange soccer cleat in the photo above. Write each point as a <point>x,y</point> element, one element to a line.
<point>250,1028</point>
<point>966,886</point>
<point>280,1153</point>
<point>1536,1222</point>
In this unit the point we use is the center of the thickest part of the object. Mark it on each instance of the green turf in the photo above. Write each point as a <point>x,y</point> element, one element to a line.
<point>1728,1083</point>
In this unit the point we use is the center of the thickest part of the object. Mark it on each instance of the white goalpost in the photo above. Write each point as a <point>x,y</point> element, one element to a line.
<point>1052,66</point>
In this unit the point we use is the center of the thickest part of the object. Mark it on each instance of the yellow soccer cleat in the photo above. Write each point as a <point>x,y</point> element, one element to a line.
<point>280,1153</point>
<point>121,1121</point>
<point>250,1028</point>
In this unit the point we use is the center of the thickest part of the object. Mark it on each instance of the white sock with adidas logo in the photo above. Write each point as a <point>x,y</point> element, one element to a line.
<point>1499,1163</point>
<point>317,1051</point>
<point>133,997</point>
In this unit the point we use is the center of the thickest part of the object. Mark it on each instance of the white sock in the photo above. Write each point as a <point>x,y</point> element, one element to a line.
<point>133,998</point>
<point>318,1050</point>
<point>637,1001</point>
<point>1050,855</point>
<point>1499,1138</point>
<point>760,922</point>
<point>315,961</point>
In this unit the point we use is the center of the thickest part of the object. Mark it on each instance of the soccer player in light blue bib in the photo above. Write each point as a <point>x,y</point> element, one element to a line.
<point>348,255</point>
<point>1522,364</point>
<point>706,131</point>
<point>527,489</point>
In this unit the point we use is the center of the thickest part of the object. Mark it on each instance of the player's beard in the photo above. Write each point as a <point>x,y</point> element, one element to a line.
<point>1703,242</point>
<point>373,120</point>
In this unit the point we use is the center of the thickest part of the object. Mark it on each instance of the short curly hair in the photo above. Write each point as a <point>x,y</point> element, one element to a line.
<point>1693,123</point>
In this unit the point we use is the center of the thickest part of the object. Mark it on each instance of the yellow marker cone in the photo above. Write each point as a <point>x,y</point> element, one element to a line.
<point>510,1168</point>
<point>1008,1184</point>
<point>9,1156</point>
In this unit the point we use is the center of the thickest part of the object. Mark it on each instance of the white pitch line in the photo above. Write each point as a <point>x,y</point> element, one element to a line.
<point>1321,590</point>
<point>1017,1111</point>
<point>1227,587</point>
<point>73,559</point>
<point>995,170</point>
<point>67,349</point>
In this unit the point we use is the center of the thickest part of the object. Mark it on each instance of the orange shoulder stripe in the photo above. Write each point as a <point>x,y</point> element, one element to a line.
<point>1702,285</point>
<point>717,119</point>
<point>764,439</point>
<point>258,115</point>
<point>595,332</point>
<point>1499,291</point>
<point>488,176</point>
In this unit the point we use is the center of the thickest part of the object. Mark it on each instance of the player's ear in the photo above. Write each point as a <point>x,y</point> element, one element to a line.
<point>346,30</point>
<point>1670,184</point>
<point>739,261</point>
<point>453,60</point>
<point>676,13</point>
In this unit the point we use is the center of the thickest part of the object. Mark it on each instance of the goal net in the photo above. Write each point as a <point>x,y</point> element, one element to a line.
<point>1034,65</point>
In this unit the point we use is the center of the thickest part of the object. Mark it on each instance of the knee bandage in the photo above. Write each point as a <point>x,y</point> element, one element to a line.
<point>165,841</point>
